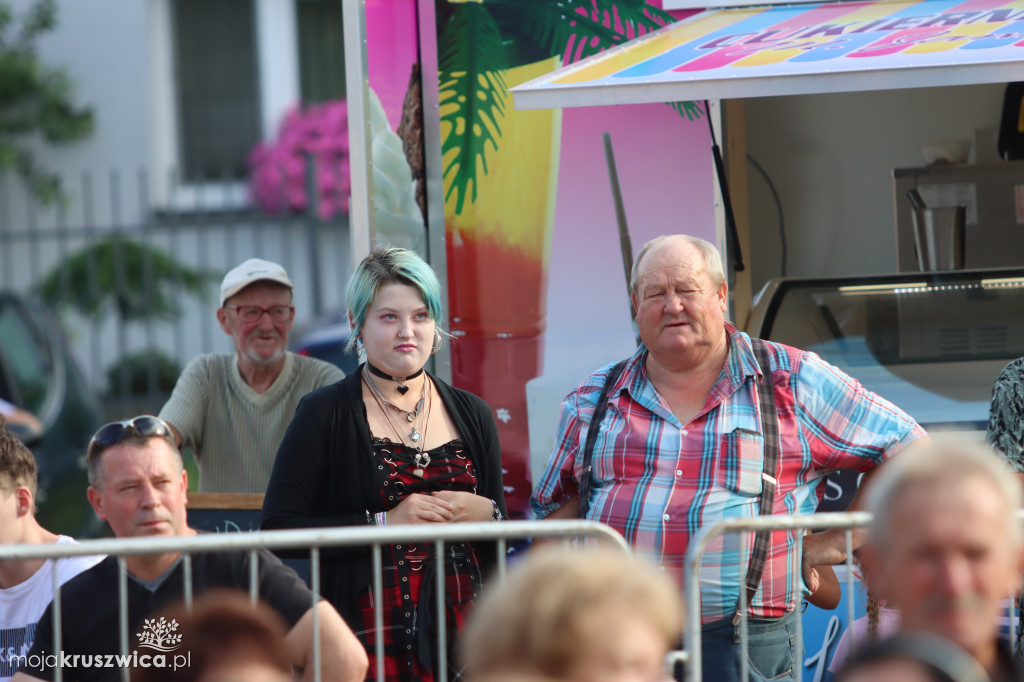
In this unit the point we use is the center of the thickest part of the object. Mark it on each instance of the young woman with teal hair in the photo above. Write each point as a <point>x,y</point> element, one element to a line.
<point>393,444</point>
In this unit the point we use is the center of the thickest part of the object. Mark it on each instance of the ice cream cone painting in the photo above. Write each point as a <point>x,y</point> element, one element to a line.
<point>503,234</point>
<point>498,246</point>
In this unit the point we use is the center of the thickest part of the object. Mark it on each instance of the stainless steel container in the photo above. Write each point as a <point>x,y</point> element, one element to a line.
<point>939,237</point>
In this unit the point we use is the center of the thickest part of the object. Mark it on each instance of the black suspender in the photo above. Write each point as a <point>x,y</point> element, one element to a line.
<point>769,476</point>
<point>595,426</point>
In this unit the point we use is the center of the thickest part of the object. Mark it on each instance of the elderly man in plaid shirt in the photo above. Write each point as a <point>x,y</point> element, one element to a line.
<point>683,445</point>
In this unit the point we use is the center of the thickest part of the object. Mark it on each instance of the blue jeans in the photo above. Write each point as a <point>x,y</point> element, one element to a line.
<point>771,646</point>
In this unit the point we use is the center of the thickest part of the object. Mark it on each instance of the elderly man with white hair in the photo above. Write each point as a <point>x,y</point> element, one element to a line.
<point>233,409</point>
<point>945,546</point>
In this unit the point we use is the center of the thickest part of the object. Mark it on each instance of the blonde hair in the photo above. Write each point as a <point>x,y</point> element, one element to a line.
<point>544,618</point>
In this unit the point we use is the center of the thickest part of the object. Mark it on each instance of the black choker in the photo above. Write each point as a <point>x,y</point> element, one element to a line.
<point>402,388</point>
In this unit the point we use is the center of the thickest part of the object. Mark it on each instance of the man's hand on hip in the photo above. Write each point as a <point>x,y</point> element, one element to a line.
<point>822,549</point>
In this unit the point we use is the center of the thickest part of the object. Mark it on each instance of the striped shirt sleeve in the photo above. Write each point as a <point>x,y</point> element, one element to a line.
<point>848,426</point>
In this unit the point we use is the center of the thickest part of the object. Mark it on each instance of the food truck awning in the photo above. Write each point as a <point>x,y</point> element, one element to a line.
<point>797,49</point>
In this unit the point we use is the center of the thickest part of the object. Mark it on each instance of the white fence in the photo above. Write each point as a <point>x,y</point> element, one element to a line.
<point>114,246</point>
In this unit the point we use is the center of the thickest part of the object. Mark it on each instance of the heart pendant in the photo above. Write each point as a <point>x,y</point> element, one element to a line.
<point>402,388</point>
<point>417,472</point>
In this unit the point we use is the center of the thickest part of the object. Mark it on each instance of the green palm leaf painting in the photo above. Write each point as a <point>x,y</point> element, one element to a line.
<point>580,28</point>
<point>480,40</point>
<point>472,97</point>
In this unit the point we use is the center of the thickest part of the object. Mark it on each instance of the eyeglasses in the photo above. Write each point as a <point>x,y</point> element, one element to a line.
<point>252,313</point>
<point>146,426</point>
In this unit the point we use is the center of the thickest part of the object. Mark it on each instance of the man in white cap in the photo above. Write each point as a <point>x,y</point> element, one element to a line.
<point>233,409</point>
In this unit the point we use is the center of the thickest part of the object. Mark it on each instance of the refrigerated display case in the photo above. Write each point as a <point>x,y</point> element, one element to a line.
<point>932,343</point>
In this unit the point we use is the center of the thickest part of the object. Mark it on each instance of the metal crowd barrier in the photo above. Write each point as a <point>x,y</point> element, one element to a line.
<point>314,539</point>
<point>695,553</point>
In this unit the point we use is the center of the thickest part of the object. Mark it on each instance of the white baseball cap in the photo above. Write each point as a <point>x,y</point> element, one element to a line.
<point>252,270</point>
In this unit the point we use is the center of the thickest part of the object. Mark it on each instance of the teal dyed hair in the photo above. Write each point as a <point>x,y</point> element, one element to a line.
<point>389,266</point>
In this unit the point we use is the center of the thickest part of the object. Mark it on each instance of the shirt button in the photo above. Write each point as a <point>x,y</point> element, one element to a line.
<point>685,432</point>
<point>665,517</point>
<point>679,472</point>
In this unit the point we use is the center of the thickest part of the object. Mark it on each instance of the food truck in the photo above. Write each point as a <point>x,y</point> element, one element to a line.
<point>522,223</point>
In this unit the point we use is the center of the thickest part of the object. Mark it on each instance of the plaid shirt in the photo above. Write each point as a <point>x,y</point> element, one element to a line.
<point>657,481</point>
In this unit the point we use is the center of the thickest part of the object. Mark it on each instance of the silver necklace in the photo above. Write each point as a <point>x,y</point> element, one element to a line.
<point>420,458</point>
<point>411,417</point>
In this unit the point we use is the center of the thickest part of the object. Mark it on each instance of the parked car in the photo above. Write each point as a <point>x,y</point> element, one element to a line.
<point>325,339</point>
<point>39,374</point>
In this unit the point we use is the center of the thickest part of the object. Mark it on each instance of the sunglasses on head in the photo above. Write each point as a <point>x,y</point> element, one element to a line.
<point>146,426</point>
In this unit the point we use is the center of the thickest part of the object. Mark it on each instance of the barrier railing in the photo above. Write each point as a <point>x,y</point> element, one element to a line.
<point>439,535</point>
<point>695,553</point>
<point>313,539</point>
<point>848,521</point>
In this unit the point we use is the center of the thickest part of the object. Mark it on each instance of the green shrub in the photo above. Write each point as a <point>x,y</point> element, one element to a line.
<point>137,368</point>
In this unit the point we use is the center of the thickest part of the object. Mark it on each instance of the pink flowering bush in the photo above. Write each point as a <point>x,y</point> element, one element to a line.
<point>277,170</point>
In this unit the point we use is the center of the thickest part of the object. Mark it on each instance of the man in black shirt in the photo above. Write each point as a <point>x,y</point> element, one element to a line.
<point>138,486</point>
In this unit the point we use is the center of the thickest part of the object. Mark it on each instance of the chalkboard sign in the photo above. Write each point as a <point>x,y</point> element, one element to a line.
<point>224,512</point>
<point>233,513</point>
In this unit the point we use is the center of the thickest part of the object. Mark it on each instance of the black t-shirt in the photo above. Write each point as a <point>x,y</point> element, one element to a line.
<point>90,621</point>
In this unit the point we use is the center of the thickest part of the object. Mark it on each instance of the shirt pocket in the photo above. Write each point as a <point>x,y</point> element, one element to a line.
<point>614,458</point>
<point>741,462</point>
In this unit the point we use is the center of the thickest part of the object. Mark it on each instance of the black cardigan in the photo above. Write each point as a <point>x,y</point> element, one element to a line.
<point>325,475</point>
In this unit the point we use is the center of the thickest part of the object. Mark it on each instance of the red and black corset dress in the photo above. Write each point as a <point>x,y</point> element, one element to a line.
<point>409,595</point>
